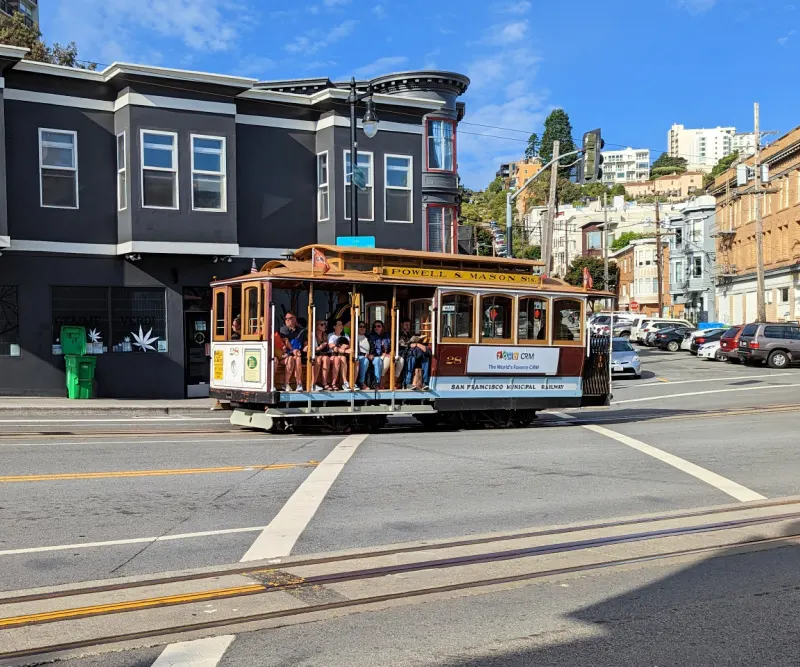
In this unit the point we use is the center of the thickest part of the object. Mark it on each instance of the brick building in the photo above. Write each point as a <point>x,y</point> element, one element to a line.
<point>638,276</point>
<point>735,234</point>
<point>675,187</point>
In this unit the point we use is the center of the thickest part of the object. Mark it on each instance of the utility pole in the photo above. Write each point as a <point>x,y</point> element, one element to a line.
<point>762,306</point>
<point>605,240</point>
<point>659,262</point>
<point>547,244</point>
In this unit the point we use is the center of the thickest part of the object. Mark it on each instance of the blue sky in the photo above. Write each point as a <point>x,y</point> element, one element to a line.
<point>631,67</point>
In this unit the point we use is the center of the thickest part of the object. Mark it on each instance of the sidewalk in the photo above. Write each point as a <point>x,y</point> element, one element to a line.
<point>60,406</point>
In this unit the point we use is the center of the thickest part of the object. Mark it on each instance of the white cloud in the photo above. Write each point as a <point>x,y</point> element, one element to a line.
<point>517,8</point>
<point>383,65</point>
<point>315,40</point>
<point>429,62</point>
<point>503,94</point>
<point>696,6</point>
<point>335,3</point>
<point>503,34</point>
<point>254,66</point>
<point>380,11</point>
<point>199,25</point>
<point>783,40</point>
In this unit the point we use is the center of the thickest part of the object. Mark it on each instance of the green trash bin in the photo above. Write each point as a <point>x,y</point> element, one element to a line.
<point>80,367</point>
<point>80,375</point>
<point>73,341</point>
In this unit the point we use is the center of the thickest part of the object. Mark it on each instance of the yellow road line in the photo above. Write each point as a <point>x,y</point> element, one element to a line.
<point>662,379</point>
<point>151,473</point>
<point>132,605</point>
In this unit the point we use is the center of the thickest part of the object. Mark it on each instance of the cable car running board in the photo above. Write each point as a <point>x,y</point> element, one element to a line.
<point>244,417</point>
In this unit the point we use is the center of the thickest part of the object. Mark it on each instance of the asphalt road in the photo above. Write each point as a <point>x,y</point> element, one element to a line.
<point>212,490</point>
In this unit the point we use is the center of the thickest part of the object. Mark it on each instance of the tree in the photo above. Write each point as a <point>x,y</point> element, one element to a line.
<point>528,252</point>
<point>625,239</point>
<point>14,32</point>
<point>595,265</point>
<point>720,168</point>
<point>532,149</point>
<point>666,165</point>
<point>557,127</point>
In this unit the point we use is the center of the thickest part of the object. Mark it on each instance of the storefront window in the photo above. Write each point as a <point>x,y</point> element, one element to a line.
<point>85,307</point>
<point>532,319</point>
<point>138,319</point>
<point>9,321</point>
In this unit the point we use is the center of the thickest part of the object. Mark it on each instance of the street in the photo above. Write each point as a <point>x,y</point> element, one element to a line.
<point>86,501</point>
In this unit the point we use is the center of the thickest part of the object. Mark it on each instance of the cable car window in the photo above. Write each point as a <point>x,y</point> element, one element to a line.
<point>252,303</point>
<point>219,314</point>
<point>497,313</point>
<point>457,317</point>
<point>567,321</point>
<point>235,317</point>
<point>532,319</point>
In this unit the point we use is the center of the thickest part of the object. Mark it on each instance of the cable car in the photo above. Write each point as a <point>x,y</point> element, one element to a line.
<point>343,338</point>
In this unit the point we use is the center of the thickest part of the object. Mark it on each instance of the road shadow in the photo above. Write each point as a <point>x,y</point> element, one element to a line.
<point>731,609</point>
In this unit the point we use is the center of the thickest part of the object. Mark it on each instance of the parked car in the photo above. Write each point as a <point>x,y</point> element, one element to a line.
<point>671,339</point>
<point>709,351</point>
<point>639,322</point>
<point>659,325</point>
<point>729,344</point>
<point>687,342</point>
<point>704,338</point>
<point>776,343</point>
<point>624,360</point>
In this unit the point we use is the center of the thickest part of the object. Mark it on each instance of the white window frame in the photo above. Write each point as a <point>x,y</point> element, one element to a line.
<point>122,170</point>
<point>223,173</point>
<point>409,189</point>
<point>74,169</point>
<point>780,295</point>
<point>174,170</point>
<point>371,183</point>
<point>326,185</point>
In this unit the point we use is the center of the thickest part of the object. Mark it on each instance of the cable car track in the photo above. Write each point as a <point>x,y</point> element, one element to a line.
<point>291,582</point>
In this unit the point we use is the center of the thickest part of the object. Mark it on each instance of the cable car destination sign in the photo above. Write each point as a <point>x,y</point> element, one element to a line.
<point>462,274</point>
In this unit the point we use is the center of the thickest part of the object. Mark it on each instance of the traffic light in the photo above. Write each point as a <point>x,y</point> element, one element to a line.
<point>591,167</point>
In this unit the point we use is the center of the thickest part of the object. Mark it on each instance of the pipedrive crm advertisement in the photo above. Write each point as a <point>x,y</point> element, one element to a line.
<point>511,360</point>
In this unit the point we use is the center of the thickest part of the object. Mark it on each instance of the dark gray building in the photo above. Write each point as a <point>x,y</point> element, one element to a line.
<point>28,8</point>
<point>124,192</point>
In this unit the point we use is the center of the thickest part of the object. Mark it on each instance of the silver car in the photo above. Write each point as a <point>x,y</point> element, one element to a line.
<point>624,360</point>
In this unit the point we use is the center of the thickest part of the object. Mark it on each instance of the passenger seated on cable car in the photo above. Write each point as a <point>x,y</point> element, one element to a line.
<point>419,356</point>
<point>381,344</point>
<point>339,344</point>
<point>342,312</point>
<point>295,343</point>
<point>236,328</point>
<point>322,358</point>
<point>403,347</point>
<point>366,357</point>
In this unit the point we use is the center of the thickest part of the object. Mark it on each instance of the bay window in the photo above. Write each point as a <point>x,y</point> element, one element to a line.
<point>441,137</point>
<point>441,222</point>
<point>159,169</point>
<point>323,188</point>
<point>208,173</point>
<point>398,189</point>
<point>58,168</point>
<point>367,195</point>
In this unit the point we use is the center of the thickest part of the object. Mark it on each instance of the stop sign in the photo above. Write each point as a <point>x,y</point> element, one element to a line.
<point>634,305</point>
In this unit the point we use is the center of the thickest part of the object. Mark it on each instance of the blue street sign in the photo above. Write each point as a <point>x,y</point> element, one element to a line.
<point>360,178</point>
<point>356,241</point>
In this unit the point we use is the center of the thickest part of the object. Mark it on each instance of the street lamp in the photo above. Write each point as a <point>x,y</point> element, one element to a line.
<point>370,125</point>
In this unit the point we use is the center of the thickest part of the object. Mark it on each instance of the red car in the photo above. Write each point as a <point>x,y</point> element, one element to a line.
<point>729,344</point>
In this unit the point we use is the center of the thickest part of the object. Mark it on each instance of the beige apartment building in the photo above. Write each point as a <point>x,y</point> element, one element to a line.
<point>736,238</point>
<point>676,187</point>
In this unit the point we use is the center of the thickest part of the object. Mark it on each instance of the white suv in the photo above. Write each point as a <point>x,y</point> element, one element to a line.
<point>660,323</point>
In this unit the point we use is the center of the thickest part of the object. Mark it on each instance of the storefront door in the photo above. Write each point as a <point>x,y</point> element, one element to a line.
<point>197,334</point>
